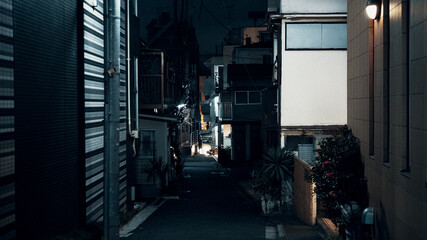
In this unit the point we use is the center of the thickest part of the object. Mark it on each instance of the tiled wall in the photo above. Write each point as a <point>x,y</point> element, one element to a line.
<point>398,97</point>
<point>46,124</point>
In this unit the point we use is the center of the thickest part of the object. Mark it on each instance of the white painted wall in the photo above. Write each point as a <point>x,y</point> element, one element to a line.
<point>313,6</point>
<point>314,88</point>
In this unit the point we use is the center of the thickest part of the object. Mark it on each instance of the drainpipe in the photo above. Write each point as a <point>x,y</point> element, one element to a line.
<point>136,131</point>
<point>112,118</point>
<point>128,68</point>
<point>132,133</point>
<point>136,82</point>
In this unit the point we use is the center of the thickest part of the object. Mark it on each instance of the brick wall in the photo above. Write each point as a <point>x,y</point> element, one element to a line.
<point>304,199</point>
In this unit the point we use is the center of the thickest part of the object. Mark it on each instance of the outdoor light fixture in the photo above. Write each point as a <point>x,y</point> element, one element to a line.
<point>93,3</point>
<point>373,9</point>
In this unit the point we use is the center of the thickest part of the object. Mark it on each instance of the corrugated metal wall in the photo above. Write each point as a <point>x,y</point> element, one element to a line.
<point>7,123</point>
<point>44,88</point>
<point>94,109</point>
<point>93,32</point>
<point>123,107</point>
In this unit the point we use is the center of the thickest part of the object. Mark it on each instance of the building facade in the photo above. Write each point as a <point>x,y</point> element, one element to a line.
<point>310,51</point>
<point>52,109</point>
<point>387,105</point>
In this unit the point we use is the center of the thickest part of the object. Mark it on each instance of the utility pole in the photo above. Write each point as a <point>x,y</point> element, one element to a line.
<point>112,118</point>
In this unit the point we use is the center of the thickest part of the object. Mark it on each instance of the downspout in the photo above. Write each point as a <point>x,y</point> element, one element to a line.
<point>136,82</point>
<point>132,133</point>
<point>135,133</point>
<point>136,98</point>
<point>128,68</point>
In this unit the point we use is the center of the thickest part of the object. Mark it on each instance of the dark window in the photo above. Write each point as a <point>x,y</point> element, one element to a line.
<point>254,97</point>
<point>248,97</point>
<point>148,143</point>
<point>241,97</point>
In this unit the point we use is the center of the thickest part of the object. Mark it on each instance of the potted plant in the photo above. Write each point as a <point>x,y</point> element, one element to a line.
<point>273,177</point>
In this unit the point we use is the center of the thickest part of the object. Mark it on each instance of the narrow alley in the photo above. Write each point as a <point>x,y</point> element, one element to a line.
<point>211,207</point>
<point>209,119</point>
<point>214,206</point>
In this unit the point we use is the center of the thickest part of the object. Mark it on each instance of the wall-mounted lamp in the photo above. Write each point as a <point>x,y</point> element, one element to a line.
<point>93,3</point>
<point>373,9</point>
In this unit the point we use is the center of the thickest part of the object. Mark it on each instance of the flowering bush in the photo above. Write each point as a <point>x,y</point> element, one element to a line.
<point>338,173</point>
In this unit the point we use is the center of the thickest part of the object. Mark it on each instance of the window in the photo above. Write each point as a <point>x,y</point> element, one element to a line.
<point>386,82</point>
<point>248,97</point>
<point>407,19</point>
<point>316,36</point>
<point>148,143</point>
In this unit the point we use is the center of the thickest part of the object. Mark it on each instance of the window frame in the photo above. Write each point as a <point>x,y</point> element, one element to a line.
<point>152,144</point>
<point>312,49</point>
<point>247,97</point>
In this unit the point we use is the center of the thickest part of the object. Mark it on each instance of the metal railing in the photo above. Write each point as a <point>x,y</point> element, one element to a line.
<point>226,111</point>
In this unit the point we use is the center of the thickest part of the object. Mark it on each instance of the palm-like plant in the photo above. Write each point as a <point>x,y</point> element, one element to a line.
<point>278,164</point>
<point>276,169</point>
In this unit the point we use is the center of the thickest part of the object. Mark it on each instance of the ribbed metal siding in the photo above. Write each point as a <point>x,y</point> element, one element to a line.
<point>7,123</point>
<point>123,107</point>
<point>93,33</point>
<point>94,110</point>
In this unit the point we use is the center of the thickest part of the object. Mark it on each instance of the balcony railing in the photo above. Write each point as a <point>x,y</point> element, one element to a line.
<point>226,111</point>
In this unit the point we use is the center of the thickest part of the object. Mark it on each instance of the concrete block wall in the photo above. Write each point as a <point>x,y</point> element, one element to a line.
<point>387,105</point>
<point>304,199</point>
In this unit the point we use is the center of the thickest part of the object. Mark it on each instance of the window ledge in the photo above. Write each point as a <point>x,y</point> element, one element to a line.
<point>372,157</point>
<point>405,173</point>
<point>386,164</point>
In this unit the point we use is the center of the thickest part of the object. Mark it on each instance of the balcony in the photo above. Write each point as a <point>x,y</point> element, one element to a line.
<point>226,111</point>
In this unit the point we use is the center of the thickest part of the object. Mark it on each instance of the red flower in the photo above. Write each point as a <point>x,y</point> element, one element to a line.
<point>325,163</point>
<point>330,175</point>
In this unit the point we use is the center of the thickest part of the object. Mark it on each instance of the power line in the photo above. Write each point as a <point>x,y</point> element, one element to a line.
<point>214,17</point>
<point>202,5</point>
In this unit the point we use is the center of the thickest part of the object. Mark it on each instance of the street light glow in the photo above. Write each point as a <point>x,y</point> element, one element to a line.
<point>371,10</point>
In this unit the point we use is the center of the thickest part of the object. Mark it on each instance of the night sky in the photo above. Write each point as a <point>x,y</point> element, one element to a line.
<point>210,31</point>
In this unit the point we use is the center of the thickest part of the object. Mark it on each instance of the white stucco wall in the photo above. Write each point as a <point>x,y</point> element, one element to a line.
<point>314,88</point>
<point>313,6</point>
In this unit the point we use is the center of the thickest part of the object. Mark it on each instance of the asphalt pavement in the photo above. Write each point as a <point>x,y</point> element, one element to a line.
<point>212,206</point>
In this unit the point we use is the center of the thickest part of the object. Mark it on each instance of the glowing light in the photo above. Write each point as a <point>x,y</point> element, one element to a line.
<point>371,10</point>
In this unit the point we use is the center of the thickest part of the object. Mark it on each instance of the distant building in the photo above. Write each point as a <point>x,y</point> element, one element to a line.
<point>168,96</point>
<point>245,98</point>
<point>310,48</point>
<point>387,87</point>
